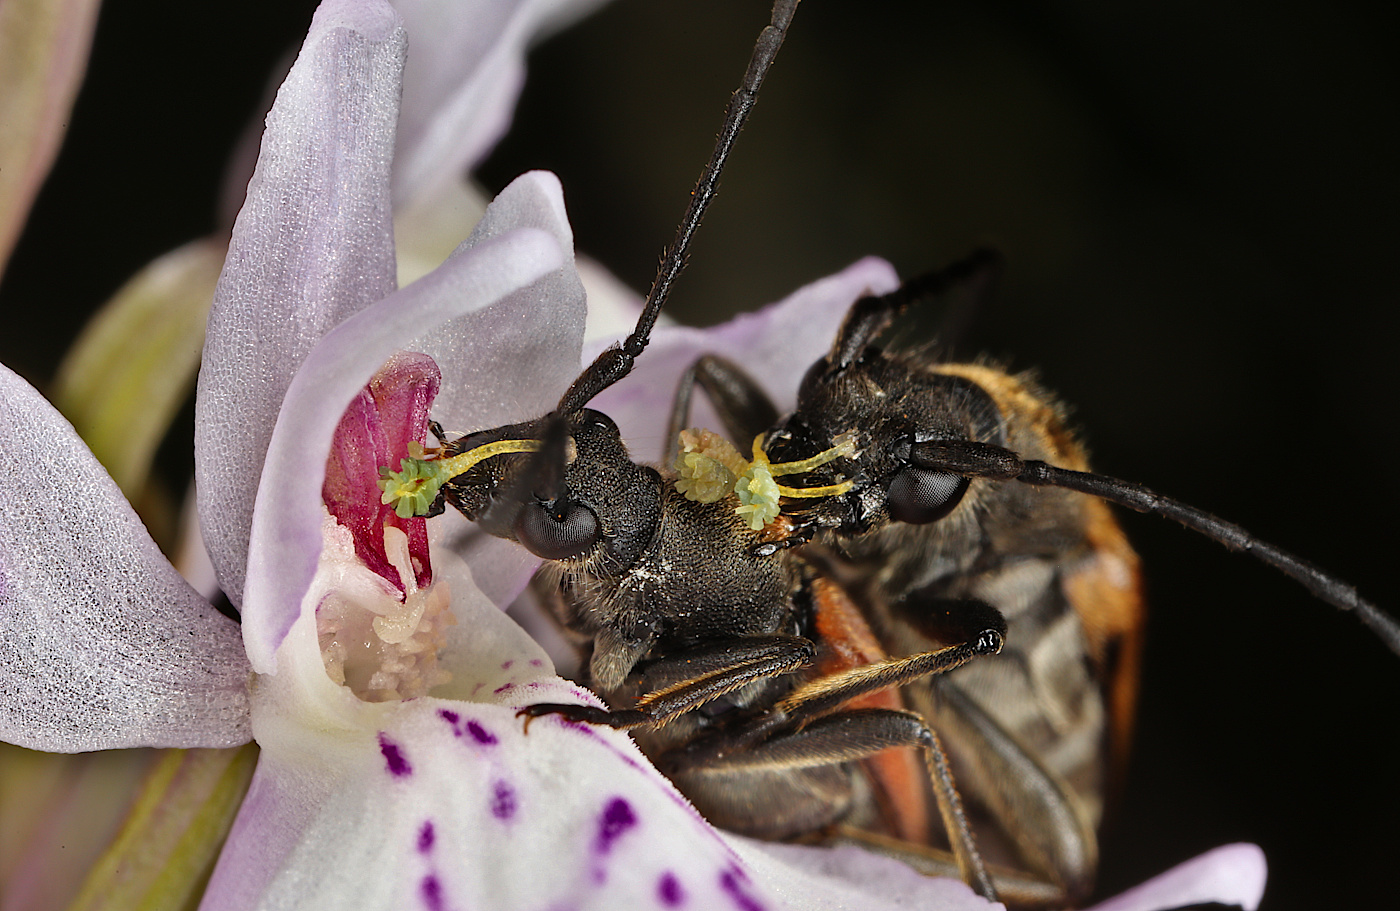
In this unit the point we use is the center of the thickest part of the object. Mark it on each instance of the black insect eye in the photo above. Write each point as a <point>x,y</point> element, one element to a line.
<point>919,496</point>
<point>547,534</point>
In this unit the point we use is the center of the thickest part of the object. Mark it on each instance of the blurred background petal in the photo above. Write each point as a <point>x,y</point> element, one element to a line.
<point>43,56</point>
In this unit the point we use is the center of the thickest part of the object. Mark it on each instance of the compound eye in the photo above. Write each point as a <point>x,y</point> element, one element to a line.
<point>919,496</point>
<point>546,535</point>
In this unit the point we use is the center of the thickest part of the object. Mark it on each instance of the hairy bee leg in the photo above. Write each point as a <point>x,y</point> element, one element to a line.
<point>1014,887</point>
<point>1034,807</point>
<point>743,407</point>
<point>770,656</point>
<point>846,737</point>
<point>1031,804</point>
<point>826,694</point>
<point>660,675</point>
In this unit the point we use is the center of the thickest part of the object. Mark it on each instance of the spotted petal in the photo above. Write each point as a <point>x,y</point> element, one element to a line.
<point>102,644</point>
<point>442,803</point>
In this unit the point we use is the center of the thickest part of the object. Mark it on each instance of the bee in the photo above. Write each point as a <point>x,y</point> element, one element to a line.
<point>966,489</point>
<point>1199,266</point>
<point>853,545</point>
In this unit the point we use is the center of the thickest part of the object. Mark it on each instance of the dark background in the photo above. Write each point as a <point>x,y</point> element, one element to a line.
<point>1200,209</point>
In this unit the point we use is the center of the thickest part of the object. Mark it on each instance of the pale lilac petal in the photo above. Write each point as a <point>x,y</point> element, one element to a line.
<point>286,535</point>
<point>848,877</point>
<point>312,245</point>
<point>462,79</point>
<point>508,363</point>
<point>512,361</point>
<point>775,345</point>
<point>1230,875</point>
<point>102,644</point>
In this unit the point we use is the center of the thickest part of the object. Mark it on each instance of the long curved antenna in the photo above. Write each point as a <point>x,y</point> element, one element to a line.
<point>616,362</point>
<point>983,460</point>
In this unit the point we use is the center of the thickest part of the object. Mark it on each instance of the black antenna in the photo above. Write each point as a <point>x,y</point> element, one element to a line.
<point>616,362</point>
<point>984,460</point>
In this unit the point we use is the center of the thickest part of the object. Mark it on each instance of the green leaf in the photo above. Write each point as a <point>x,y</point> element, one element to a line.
<point>135,363</point>
<point>164,854</point>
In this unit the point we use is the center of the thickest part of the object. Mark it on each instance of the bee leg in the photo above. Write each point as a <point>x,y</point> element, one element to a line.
<point>984,635</point>
<point>848,736</point>
<point>725,665</point>
<point>1034,806</point>
<point>743,407</point>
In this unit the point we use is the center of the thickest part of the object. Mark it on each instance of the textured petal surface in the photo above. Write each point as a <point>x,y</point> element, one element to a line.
<point>775,345</point>
<point>312,245</point>
<point>850,879</point>
<point>1229,875</point>
<point>102,644</point>
<point>512,361</point>
<point>462,79</point>
<point>286,536</point>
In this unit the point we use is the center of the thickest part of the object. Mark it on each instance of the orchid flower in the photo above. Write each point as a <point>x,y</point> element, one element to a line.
<point>373,666</point>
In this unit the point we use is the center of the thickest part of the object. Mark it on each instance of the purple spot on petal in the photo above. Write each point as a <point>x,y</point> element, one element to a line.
<point>535,662</point>
<point>476,689</point>
<point>732,882</point>
<point>617,818</point>
<point>503,801</point>
<point>449,716</point>
<point>501,689</point>
<point>669,890</point>
<point>431,891</point>
<point>426,837</point>
<point>505,665</point>
<point>393,757</point>
<point>480,734</point>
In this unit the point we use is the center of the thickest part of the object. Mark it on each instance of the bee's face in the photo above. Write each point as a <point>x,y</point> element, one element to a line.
<point>1201,262</point>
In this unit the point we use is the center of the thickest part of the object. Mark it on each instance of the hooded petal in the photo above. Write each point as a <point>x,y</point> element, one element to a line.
<point>775,345</point>
<point>465,72</point>
<point>286,535</point>
<point>102,644</point>
<point>375,432</point>
<point>508,363</point>
<point>312,245</point>
<point>513,361</point>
